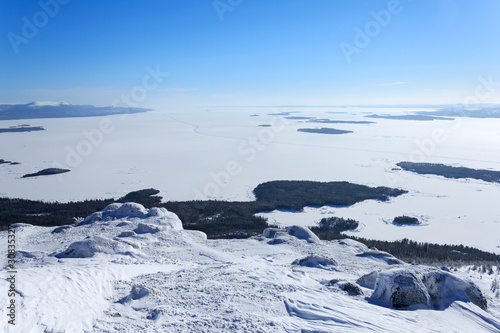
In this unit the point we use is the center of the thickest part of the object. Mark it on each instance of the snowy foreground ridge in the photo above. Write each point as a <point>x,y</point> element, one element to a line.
<point>131,269</point>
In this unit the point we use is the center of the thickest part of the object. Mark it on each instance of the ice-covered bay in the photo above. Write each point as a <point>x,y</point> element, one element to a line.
<point>224,153</point>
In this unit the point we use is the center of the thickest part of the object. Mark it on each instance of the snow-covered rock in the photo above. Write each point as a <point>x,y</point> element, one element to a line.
<point>444,288</point>
<point>132,210</point>
<point>350,288</point>
<point>279,236</point>
<point>302,233</point>
<point>368,280</point>
<point>138,292</point>
<point>97,244</point>
<point>146,228</point>
<point>400,288</point>
<point>422,287</point>
<point>381,255</point>
<point>270,232</point>
<point>315,261</point>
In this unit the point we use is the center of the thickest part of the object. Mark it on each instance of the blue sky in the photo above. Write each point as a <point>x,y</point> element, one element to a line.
<point>250,52</point>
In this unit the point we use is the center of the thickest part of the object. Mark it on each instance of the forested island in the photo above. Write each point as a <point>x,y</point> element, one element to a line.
<point>449,171</point>
<point>21,128</point>
<point>230,219</point>
<point>46,172</point>
<point>216,218</point>
<point>323,130</point>
<point>329,121</point>
<point>2,161</point>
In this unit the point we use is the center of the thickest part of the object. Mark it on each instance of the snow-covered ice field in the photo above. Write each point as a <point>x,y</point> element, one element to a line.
<point>128,269</point>
<point>223,153</point>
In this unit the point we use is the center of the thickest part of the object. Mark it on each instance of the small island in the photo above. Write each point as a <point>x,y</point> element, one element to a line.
<point>46,172</point>
<point>329,121</point>
<point>21,128</point>
<point>2,161</point>
<point>405,220</point>
<point>416,117</point>
<point>449,171</point>
<point>323,130</point>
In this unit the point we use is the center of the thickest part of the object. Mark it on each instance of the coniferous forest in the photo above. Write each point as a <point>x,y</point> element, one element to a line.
<point>233,219</point>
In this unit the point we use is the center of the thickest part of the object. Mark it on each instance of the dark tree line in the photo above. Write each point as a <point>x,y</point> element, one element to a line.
<point>451,171</point>
<point>330,227</point>
<point>215,218</point>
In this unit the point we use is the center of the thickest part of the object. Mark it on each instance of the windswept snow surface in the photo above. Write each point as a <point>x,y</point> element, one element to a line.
<point>161,278</point>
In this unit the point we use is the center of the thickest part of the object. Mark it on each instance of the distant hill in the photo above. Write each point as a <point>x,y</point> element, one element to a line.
<point>37,110</point>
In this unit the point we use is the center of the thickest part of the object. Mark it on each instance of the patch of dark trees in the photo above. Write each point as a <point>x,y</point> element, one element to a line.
<point>331,227</point>
<point>21,128</point>
<point>448,171</point>
<point>407,250</point>
<point>216,218</point>
<point>55,213</point>
<point>46,172</point>
<point>432,254</point>
<point>8,162</point>
<point>225,219</point>
<point>406,220</point>
<point>329,121</point>
<point>323,130</point>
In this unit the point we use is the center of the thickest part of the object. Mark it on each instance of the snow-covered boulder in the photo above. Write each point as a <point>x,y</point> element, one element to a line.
<point>302,233</point>
<point>368,280</point>
<point>97,244</point>
<point>138,292</point>
<point>382,256</point>
<point>350,288</point>
<point>444,288</point>
<point>127,233</point>
<point>131,210</point>
<point>315,261</point>
<point>146,228</point>
<point>279,236</point>
<point>270,232</point>
<point>400,288</point>
<point>422,287</point>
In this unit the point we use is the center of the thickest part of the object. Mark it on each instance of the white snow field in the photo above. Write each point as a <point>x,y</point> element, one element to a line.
<point>224,153</point>
<point>131,269</point>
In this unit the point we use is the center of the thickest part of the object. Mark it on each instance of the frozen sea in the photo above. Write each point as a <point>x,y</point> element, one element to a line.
<point>224,153</point>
